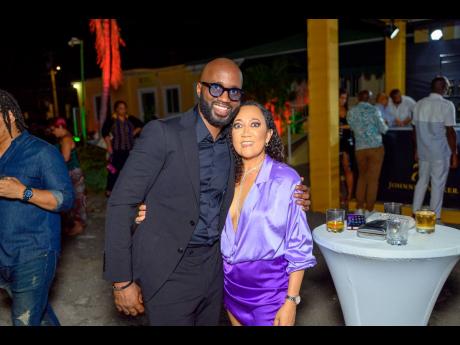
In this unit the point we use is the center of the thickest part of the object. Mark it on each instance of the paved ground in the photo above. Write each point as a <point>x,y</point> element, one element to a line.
<point>80,296</point>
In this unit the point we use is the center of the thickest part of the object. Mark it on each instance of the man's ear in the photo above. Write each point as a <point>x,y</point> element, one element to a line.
<point>11,116</point>
<point>198,89</point>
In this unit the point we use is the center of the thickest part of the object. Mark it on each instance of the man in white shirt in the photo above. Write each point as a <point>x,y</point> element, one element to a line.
<point>436,144</point>
<point>401,107</point>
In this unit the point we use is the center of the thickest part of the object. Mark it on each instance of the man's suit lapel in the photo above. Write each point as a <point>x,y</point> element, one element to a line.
<point>228,197</point>
<point>190,147</point>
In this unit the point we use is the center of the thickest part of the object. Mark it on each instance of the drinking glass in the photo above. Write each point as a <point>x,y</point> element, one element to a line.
<point>392,207</point>
<point>335,219</point>
<point>425,220</point>
<point>397,231</point>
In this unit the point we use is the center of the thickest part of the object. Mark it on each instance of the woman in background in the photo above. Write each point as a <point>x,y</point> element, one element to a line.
<point>74,220</point>
<point>119,132</point>
<point>346,146</point>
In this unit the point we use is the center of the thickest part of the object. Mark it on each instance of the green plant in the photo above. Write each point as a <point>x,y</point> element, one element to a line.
<point>93,163</point>
<point>272,81</point>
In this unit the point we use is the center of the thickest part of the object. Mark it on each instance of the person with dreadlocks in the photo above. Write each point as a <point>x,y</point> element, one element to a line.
<point>34,188</point>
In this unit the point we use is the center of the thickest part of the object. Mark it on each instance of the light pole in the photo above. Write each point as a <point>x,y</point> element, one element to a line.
<point>75,41</point>
<point>53,73</point>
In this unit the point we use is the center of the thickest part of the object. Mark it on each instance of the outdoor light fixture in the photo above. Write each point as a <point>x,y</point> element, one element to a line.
<point>391,30</point>
<point>436,34</point>
<point>74,41</point>
<point>58,68</point>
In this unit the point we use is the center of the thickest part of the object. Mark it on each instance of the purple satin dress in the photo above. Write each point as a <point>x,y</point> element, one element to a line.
<point>271,241</point>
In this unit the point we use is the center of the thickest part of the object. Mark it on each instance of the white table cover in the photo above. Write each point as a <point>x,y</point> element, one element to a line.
<point>381,284</point>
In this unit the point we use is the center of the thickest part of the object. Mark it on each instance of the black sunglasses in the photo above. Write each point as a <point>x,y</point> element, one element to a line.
<point>216,90</point>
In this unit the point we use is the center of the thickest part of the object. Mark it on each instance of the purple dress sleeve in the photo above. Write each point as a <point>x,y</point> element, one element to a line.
<point>298,241</point>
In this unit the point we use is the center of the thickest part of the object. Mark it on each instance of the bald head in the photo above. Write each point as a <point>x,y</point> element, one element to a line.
<point>219,110</point>
<point>222,69</point>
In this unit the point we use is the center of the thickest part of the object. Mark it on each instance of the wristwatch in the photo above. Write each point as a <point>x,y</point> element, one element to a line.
<point>295,299</point>
<point>27,195</point>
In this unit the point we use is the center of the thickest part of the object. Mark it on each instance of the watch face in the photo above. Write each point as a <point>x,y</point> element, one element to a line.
<point>295,299</point>
<point>28,194</point>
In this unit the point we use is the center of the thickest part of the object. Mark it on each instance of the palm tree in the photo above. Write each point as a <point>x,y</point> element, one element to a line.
<point>108,57</point>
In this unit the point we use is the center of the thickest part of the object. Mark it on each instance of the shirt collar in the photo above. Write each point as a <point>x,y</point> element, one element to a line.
<point>265,170</point>
<point>436,95</point>
<point>202,131</point>
<point>16,141</point>
<point>21,137</point>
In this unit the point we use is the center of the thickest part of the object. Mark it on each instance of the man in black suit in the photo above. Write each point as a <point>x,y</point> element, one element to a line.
<point>182,169</point>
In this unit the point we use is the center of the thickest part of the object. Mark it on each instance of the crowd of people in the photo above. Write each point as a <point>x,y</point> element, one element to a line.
<point>361,137</point>
<point>222,218</point>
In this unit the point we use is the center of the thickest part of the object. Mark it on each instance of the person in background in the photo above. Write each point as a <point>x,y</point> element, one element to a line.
<point>401,107</point>
<point>75,219</point>
<point>436,144</point>
<point>346,148</point>
<point>119,132</point>
<point>34,188</point>
<point>381,102</point>
<point>368,126</point>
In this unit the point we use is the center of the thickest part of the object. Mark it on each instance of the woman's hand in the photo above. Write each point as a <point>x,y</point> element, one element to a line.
<point>141,214</point>
<point>286,314</point>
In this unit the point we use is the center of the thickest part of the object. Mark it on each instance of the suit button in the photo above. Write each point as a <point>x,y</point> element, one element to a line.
<point>192,223</point>
<point>180,250</point>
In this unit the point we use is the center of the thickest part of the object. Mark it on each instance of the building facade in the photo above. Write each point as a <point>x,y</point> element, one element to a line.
<point>149,93</point>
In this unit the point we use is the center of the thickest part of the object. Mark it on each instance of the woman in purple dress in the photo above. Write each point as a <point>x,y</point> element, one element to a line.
<point>266,242</point>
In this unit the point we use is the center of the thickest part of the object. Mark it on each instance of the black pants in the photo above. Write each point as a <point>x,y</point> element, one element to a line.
<point>118,161</point>
<point>192,295</point>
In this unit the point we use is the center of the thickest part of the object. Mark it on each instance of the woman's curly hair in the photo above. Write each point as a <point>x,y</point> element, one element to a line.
<point>274,149</point>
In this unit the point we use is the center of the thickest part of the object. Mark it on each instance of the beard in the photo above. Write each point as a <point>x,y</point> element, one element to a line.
<point>215,120</point>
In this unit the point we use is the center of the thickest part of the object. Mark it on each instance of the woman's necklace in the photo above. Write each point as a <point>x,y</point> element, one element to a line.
<point>240,190</point>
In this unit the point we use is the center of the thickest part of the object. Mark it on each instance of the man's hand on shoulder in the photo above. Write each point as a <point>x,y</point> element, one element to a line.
<point>302,194</point>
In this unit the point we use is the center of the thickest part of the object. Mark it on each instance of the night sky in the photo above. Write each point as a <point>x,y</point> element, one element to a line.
<point>31,45</point>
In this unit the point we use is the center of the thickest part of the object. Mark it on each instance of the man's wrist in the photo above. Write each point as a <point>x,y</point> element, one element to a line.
<point>26,193</point>
<point>119,286</point>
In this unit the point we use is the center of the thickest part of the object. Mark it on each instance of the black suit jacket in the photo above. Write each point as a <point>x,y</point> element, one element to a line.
<point>163,171</point>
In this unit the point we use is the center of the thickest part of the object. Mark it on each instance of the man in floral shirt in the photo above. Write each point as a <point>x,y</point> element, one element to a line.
<point>367,124</point>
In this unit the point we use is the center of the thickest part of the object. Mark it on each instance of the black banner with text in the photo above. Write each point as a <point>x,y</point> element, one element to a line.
<point>400,171</point>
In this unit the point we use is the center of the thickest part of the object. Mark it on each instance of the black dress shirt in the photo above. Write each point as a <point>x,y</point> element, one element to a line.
<point>215,163</point>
